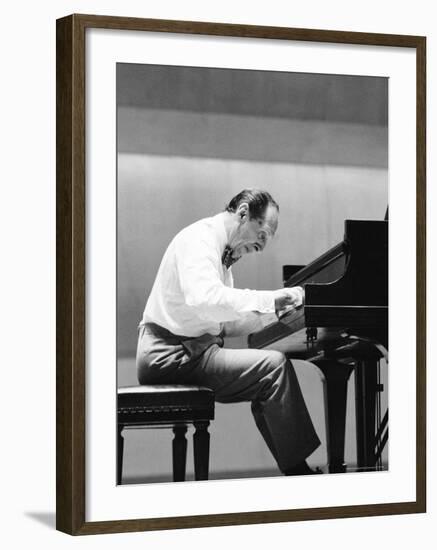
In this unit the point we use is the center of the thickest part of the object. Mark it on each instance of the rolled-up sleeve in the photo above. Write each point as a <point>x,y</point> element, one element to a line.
<point>200,277</point>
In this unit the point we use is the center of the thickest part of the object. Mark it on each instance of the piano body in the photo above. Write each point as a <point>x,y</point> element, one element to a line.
<point>342,327</point>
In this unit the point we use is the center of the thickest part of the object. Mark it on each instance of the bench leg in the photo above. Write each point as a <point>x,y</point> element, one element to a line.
<point>201,450</point>
<point>179,453</point>
<point>120,447</point>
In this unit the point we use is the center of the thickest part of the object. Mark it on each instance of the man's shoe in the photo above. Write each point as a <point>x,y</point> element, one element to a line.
<point>302,469</point>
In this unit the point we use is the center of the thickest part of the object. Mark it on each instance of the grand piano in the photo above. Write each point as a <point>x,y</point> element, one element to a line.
<point>342,328</point>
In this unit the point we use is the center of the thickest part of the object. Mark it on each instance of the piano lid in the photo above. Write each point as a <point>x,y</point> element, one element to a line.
<point>345,288</point>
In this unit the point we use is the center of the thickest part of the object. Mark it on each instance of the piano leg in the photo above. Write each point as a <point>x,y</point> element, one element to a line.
<point>365,404</point>
<point>336,376</point>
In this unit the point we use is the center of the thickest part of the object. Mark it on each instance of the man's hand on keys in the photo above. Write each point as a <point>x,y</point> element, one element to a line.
<point>287,299</point>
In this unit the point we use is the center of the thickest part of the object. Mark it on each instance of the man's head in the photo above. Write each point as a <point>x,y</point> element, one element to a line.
<point>254,216</point>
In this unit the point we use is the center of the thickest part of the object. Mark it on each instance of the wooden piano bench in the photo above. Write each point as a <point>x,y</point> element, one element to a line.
<point>168,406</point>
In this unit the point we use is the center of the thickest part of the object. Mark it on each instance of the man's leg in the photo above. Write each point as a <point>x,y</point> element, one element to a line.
<point>268,380</point>
<point>264,377</point>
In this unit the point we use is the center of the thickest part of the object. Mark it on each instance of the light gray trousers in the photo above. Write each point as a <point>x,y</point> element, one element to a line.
<point>264,377</point>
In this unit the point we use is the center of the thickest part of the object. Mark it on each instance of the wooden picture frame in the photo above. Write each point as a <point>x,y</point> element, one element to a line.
<point>71,284</point>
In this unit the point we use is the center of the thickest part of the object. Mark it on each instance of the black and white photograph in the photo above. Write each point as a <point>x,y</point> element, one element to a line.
<point>252,273</point>
<point>218,263</point>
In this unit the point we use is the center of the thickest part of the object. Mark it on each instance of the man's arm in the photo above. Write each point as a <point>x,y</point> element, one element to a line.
<point>199,271</point>
<point>200,276</point>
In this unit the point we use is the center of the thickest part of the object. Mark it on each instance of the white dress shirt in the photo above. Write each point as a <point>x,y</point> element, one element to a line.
<point>194,294</point>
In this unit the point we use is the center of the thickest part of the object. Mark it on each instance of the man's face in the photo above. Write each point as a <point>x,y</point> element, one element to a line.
<point>252,235</point>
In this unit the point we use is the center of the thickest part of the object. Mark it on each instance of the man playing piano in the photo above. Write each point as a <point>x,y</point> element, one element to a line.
<point>193,305</point>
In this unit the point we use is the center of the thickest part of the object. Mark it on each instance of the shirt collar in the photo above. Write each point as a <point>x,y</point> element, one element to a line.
<point>219,225</point>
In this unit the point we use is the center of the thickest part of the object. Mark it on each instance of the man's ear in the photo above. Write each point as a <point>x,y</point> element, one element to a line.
<point>243,212</point>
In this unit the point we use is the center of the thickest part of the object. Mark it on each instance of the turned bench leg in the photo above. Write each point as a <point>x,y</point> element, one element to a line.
<point>179,452</point>
<point>201,450</point>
